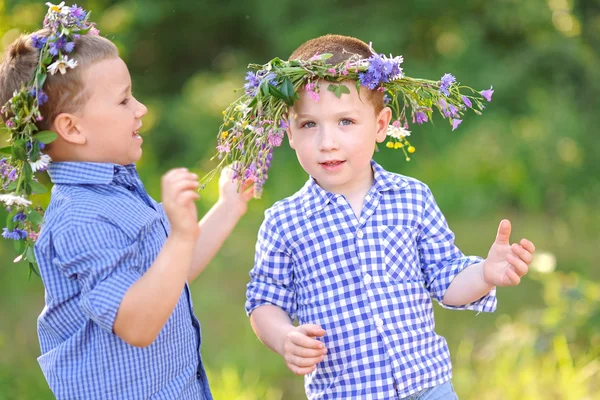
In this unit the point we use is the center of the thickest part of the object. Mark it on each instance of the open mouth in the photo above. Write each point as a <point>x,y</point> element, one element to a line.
<point>333,163</point>
<point>136,134</point>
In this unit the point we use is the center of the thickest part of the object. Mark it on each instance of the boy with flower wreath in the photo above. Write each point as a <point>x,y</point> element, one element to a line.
<point>118,321</point>
<point>356,254</point>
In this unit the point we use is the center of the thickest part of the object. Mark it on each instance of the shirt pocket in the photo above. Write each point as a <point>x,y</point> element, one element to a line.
<point>401,257</point>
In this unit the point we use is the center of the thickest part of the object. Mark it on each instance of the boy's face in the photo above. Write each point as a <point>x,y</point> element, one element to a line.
<point>111,117</point>
<point>335,138</point>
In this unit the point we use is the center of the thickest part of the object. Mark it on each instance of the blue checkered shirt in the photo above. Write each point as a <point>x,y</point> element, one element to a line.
<point>101,233</point>
<point>367,281</point>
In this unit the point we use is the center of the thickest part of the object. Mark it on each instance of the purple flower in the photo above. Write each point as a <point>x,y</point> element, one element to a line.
<point>224,148</point>
<point>10,124</point>
<point>78,12</point>
<point>381,70</point>
<point>69,47</point>
<point>57,45</point>
<point>251,172</point>
<point>275,138</point>
<point>12,175</point>
<point>445,82</point>
<point>38,41</point>
<point>488,93</point>
<point>40,95</point>
<point>456,123</point>
<point>254,80</point>
<point>420,117</point>
<point>451,111</point>
<point>19,217</point>
<point>467,102</point>
<point>16,234</point>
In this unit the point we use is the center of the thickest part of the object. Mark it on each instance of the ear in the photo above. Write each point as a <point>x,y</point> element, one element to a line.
<point>288,129</point>
<point>383,120</point>
<point>65,125</point>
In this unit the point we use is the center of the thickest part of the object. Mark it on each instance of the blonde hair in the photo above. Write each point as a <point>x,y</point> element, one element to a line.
<point>66,93</point>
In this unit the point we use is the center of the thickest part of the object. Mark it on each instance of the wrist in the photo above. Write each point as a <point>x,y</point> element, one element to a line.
<point>185,238</point>
<point>285,331</point>
<point>235,206</point>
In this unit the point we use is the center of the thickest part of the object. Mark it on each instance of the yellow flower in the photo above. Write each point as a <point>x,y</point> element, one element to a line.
<point>223,112</point>
<point>233,139</point>
<point>411,149</point>
<point>398,145</point>
<point>389,145</point>
<point>231,118</point>
<point>224,135</point>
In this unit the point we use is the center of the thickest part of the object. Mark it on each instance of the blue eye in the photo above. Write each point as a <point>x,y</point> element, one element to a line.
<point>308,124</point>
<point>346,122</point>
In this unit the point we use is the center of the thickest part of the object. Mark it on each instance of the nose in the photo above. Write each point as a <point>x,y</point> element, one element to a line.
<point>141,110</point>
<point>328,139</point>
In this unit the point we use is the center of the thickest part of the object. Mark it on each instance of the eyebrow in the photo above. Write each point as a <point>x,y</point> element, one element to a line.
<point>340,114</point>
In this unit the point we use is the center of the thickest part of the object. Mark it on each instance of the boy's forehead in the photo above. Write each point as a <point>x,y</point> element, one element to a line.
<point>328,101</point>
<point>106,74</point>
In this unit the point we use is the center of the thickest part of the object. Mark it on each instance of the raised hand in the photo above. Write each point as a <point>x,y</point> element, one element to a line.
<point>229,193</point>
<point>301,351</point>
<point>506,263</point>
<point>179,193</point>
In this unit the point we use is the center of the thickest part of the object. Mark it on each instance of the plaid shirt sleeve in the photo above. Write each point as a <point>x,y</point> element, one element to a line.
<point>104,262</point>
<point>272,276</point>
<point>441,260</point>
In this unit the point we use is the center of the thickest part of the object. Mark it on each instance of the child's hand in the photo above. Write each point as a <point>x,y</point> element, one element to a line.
<point>228,191</point>
<point>179,192</point>
<point>506,264</point>
<point>301,351</point>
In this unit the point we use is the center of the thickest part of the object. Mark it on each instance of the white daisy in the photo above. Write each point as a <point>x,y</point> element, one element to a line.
<point>41,164</point>
<point>397,132</point>
<point>10,199</point>
<point>62,65</point>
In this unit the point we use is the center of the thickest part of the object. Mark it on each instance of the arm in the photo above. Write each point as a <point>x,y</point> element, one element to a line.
<point>271,303</point>
<point>504,266</point>
<point>142,313</point>
<point>219,222</point>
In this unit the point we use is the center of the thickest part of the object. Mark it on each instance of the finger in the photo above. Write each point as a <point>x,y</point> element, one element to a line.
<point>304,362</point>
<point>304,352</point>
<point>529,246</point>
<point>520,267</point>
<point>312,330</point>
<point>301,371</point>
<point>187,197</point>
<point>300,339</point>
<point>183,185</point>
<point>503,235</point>
<point>512,277</point>
<point>522,253</point>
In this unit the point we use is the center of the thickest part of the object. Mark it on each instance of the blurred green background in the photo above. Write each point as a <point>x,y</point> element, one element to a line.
<point>533,157</point>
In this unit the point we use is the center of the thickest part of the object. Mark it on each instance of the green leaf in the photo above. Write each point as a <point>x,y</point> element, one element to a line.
<point>34,155</point>
<point>276,92</point>
<point>29,254</point>
<point>19,246</point>
<point>45,136</point>
<point>6,150</point>
<point>338,89</point>
<point>34,217</point>
<point>10,225</point>
<point>265,89</point>
<point>37,187</point>
<point>27,172</point>
<point>12,186</point>
<point>33,268</point>
<point>19,149</point>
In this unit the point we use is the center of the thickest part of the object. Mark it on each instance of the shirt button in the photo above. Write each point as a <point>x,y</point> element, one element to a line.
<point>359,234</point>
<point>340,200</point>
<point>131,188</point>
<point>378,322</point>
<point>116,170</point>
<point>368,279</point>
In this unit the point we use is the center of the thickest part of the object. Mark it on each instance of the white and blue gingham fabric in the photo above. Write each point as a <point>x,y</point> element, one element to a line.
<point>367,281</point>
<point>101,232</point>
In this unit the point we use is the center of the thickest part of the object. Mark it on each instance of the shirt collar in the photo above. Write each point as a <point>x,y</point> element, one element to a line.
<point>85,173</point>
<point>314,197</point>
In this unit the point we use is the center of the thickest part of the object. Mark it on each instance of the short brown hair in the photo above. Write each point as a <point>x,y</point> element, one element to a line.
<point>342,48</point>
<point>66,93</point>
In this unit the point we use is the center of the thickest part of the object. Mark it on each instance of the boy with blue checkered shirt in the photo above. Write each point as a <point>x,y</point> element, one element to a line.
<point>118,322</point>
<point>357,254</point>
